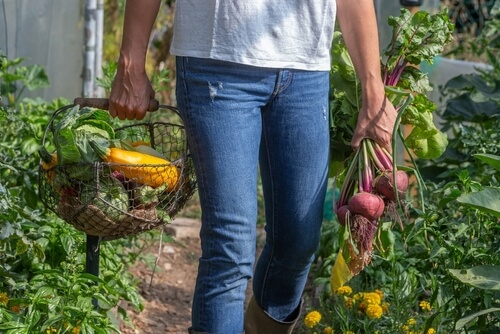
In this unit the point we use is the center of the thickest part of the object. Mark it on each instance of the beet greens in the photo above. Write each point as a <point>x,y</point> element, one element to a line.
<point>370,173</point>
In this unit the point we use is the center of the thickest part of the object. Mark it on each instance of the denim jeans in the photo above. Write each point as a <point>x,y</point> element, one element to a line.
<point>241,120</point>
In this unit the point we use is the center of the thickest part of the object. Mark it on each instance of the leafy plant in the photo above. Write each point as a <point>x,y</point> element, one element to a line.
<point>14,78</point>
<point>446,253</point>
<point>43,286</point>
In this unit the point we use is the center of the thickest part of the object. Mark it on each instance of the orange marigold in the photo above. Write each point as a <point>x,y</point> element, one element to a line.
<point>374,311</point>
<point>312,319</point>
<point>372,298</point>
<point>344,290</point>
<point>328,330</point>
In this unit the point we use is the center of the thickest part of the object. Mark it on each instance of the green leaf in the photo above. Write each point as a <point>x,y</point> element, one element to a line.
<point>486,200</point>
<point>484,277</point>
<point>386,240</point>
<point>462,322</point>
<point>490,159</point>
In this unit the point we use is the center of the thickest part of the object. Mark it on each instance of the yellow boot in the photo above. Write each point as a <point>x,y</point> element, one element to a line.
<point>257,321</point>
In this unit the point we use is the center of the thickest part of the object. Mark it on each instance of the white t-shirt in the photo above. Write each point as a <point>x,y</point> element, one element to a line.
<point>267,33</point>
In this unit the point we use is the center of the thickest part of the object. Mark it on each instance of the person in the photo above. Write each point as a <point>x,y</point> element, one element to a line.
<point>252,83</point>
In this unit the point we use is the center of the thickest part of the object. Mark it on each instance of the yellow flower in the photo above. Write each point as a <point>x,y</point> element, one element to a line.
<point>411,321</point>
<point>4,299</point>
<point>374,311</point>
<point>425,306</point>
<point>328,330</point>
<point>405,328</point>
<point>431,331</point>
<point>344,290</point>
<point>380,293</point>
<point>75,330</point>
<point>349,332</point>
<point>348,302</point>
<point>372,298</point>
<point>50,330</point>
<point>312,319</point>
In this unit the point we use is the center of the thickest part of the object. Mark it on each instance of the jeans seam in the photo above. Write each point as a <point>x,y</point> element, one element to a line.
<point>268,266</point>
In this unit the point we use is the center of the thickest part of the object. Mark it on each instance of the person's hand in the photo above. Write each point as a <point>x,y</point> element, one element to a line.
<point>131,92</point>
<point>375,121</point>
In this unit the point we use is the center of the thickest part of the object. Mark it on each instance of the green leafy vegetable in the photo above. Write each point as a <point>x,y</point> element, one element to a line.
<point>76,129</point>
<point>110,197</point>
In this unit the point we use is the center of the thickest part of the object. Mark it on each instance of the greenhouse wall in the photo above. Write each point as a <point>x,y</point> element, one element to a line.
<point>47,33</point>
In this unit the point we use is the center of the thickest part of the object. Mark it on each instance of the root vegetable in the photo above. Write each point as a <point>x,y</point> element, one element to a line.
<point>342,213</point>
<point>384,184</point>
<point>368,205</point>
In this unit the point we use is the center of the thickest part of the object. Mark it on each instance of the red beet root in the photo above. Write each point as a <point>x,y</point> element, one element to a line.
<point>368,205</point>
<point>342,213</point>
<point>384,184</point>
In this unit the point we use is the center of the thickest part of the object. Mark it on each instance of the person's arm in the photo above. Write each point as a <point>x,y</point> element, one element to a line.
<point>358,25</point>
<point>131,89</point>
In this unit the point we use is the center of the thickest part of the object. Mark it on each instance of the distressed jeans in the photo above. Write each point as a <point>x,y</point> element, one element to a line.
<point>241,121</point>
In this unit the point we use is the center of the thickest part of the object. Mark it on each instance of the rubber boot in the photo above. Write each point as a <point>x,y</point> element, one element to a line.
<point>257,321</point>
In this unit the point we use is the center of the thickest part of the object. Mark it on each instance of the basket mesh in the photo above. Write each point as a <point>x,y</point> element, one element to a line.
<point>113,200</point>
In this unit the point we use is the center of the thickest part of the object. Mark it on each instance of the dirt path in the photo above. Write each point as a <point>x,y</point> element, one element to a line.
<point>167,301</point>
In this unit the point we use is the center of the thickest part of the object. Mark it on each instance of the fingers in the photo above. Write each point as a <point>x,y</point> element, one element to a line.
<point>126,102</point>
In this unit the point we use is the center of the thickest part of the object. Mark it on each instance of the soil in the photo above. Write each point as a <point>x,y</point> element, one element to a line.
<point>168,290</point>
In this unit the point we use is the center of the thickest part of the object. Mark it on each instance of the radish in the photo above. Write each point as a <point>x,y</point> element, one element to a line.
<point>342,213</point>
<point>384,184</point>
<point>368,205</point>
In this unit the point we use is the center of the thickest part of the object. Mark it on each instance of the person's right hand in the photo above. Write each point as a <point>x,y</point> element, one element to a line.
<point>131,91</point>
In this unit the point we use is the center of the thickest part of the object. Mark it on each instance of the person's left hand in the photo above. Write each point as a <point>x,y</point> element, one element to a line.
<point>375,121</point>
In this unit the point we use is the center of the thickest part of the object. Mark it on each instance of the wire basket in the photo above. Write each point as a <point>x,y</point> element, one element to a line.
<point>111,200</point>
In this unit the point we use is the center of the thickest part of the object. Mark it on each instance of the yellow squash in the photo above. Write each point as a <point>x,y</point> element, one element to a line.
<point>144,168</point>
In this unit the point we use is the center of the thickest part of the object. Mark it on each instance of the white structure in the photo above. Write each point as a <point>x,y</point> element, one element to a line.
<point>52,34</point>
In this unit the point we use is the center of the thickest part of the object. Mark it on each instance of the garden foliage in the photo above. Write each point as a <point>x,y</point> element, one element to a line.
<point>440,273</point>
<point>43,284</point>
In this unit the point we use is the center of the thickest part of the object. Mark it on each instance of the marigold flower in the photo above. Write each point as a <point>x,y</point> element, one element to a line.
<point>328,330</point>
<point>50,330</point>
<point>312,319</point>
<point>372,298</point>
<point>75,330</point>
<point>344,290</point>
<point>349,332</point>
<point>431,331</point>
<point>348,302</point>
<point>411,321</point>
<point>380,293</point>
<point>425,306</point>
<point>15,308</point>
<point>4,299</point>
<point>374,311</point>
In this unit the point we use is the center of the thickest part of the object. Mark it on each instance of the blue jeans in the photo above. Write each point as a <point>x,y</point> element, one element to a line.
<point>239,118</point>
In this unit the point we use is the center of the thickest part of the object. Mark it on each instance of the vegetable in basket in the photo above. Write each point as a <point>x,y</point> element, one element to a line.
<point>49,161</point>
<point>110,197</point>
<point>143,168</point>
